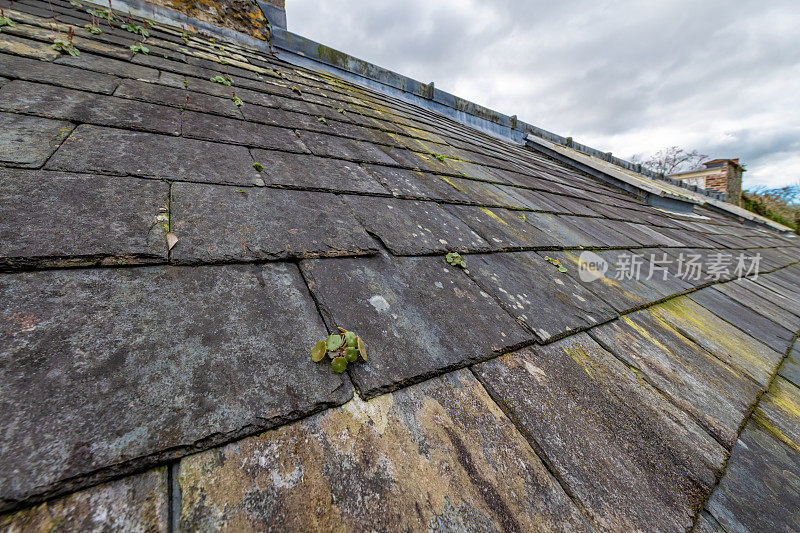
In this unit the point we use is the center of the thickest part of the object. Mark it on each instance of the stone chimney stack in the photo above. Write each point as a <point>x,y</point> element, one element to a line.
<point>246,16</point>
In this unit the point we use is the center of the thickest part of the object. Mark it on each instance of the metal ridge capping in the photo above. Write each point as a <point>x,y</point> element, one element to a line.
<point>658,189</point>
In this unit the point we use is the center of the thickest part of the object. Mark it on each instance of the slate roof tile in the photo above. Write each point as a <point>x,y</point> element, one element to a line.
<point>110,371</point>
<point>439,474</point>
<point>143,363</point>
<point>312,172</point>
<point>118,151</point>
<point>630,457</point>
<point>748,499</point>
<point>411,227</point>
<point>216,224</point>
<point>407,305</point>
<point>531,289</point>
<point>30,141</point>
<point>80,219</point>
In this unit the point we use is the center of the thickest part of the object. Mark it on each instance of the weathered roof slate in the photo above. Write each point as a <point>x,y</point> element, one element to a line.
<point>505,395</point>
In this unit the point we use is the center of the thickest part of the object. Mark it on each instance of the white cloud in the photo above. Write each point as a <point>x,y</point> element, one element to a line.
<point>630,77</point>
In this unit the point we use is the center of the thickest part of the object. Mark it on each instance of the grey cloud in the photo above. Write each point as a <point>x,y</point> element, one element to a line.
<point>722,77</point>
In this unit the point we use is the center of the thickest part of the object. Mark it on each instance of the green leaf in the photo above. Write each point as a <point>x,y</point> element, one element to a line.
<point>334,342</point>
<point>319,351</point>
<point>362,348</point>
<point>351,354</point>
<point>5,21</point>
<point>561,269</point>
<point>339,364</point>
<point>350,338</point>
<point>322,119</point>
<point>296,90</point>
<point>258,166</point>
<point>340,110</point>
<point>238,101</point>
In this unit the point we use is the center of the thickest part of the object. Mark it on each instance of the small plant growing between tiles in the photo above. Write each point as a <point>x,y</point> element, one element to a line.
<point>135,28</point>
<point>139,48</point>
<point>65,46</point>
<point>556,263</point>
<point>454,258</point>
<point>93,27</point>
<point>5,21</point>
<point>258,166</point>
<point>223,80</point>
<point>342,348</point>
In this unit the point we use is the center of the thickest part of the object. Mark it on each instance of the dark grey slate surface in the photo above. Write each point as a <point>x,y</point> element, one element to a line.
<point>74,78</point>
<point>215,223</point>
<point>177,97</point>
<point>614,287</point>
<point>409,312</point>
<point>96,149</point>
<point>565,233</point>
<point>79,106</point>
<point>761,487</point>
<point>758,299</point>
<point>550,303</point>
<point>106,65</point>
<point>630,458</point>
<point>78,219</point>
<point>341,148</point>
<point>410,227</point>
<point>716,395</point>
<point>503,229</point>
<point>28,141</point>
<point>112,369</point>
<point>408,183</point>
<point>213,128</point>
<point>791,365</point>
<point>773,335</point>
<point>312,172</point>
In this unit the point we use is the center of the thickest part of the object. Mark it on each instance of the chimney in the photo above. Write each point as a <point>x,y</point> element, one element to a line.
<point>250,17</point>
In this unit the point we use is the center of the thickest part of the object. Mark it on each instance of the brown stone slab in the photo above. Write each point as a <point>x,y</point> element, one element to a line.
<point>435,456</point>
<point>135,503</point>
<point>628,456</point>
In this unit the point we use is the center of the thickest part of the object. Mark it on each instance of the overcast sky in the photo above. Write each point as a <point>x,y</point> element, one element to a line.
<point>722,77</point>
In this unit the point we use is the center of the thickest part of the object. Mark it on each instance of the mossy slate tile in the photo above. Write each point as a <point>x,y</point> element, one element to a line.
<point>83,107</point>
<point>115,151</point>
<point>409,312</point>
<point>46,72</point>
<point>341,148</point>
<point>437,456</point>
<point>27,48</point>
<point>552,304</point>
<point>312,172</point>
<point>758,326</point>
<point>412,227</point>
<point>629,457</point>
<point>716,395</point>
<point>761,487</point>
<point>79,219</point>
<point>135,503</point>
<point>728,343</point>
<point>779,412</point>
<point>106,371</point>
<point>29,141</point>
<point>503,229</point>
<point>106,65</point>
<point>215,223</point>
<point>791,365</point>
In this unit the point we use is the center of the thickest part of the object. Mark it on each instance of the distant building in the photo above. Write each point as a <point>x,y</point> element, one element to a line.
<point>724,175</point>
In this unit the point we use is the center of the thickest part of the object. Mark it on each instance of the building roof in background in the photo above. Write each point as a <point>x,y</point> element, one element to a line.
<point>148,382</point>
